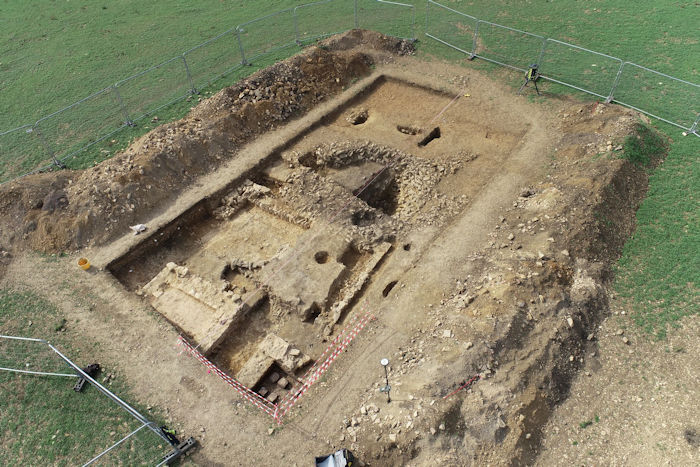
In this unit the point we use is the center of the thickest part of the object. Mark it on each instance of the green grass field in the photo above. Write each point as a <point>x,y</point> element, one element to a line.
<point>53,53</point>
<point>42,420</point>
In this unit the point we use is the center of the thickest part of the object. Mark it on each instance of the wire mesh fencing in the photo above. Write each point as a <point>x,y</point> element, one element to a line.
<point>61,136</point>
<point>147,92</point>
<point>92,427</point>
<point>390,18</point>
<point>506,46</point>
<point>21,151</point>
<point>669,99</point>
<point>666,98</point>
<point>213,59</point>
<point>31,356</point>
<point>579,68</point>
<point>255,35</point>
<point>452,28</point>
<point>79,126</point>
<point>322,19</point>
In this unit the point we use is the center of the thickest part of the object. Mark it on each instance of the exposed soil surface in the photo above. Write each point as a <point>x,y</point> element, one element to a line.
<point>635,402</point>
<point>476,226</point>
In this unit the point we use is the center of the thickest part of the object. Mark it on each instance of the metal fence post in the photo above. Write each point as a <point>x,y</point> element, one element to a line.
<point>57,156</point>
<point>357,20</point>
<point>240,47</point>
<point>544,47</point>
<point>134,413</point>
<point>115,445</point>
<point>193,90</point>
<point>125,113</point>
<point>80,373</point>
<point>694,128</point>
<point>413,22</point>
<point>297,39</point>
<point>47,147</point>
<point>611,96</point>
<point>427,17</point>
<point>472,56</point>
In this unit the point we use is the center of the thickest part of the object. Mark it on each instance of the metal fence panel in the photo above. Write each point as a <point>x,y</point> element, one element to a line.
<point>390,18</point>
<point>324,18</point>
<point>30,356</point>
<point>266,34</point>
<point>213,59</point>
<point>132,439</point>
<point>64,134</point>
<point>662,96</point>
<point>581,68</point>
<point>507,46</point>
<point>149,91</point>
<point>672,100</point>
<point>136,445</point>
<point>21,152</point>
<point>82,124</point>
<point>451,27</point>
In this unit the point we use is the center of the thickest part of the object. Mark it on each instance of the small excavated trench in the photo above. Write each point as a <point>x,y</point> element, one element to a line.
<point>261,275</point>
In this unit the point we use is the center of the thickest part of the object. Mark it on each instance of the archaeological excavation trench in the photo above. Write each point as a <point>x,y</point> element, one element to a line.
<point>476,227</point>
<point>443,216</point>
<point>262,274</point>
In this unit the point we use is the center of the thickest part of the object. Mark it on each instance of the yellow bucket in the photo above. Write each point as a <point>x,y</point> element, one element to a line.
<point>84,264</point>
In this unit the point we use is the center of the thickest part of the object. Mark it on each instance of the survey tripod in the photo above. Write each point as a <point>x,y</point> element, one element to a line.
<point>532,74</point>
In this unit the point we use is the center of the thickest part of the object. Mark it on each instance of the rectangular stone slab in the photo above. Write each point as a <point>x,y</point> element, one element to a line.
<point>254,369</point>
<point>199,307</point>
<point>306,274</point>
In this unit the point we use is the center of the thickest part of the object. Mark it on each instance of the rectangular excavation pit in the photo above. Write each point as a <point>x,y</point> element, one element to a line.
<point>275,384</point>
<point>381,91</point>
<point>234,274</point>
<point>288,247</point>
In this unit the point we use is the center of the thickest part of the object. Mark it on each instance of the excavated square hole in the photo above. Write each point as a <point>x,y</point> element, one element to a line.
<point>433,135</point>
